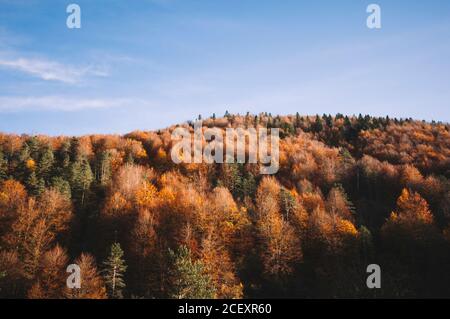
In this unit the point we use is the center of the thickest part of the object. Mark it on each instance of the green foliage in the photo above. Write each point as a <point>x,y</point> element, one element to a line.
<point>317,126</point>
<point>35,185</point>
<point>114,270</point>
<point>187,278</point>
<point>238,182</point>
<point>367,246</point>
<point>367,155</point>
<point>287,202</point>
<point>45,163</point>
<point>81,178</point>
<point>63,159</point>
<point>104,167</point>
<point>61,185</point>
<point>3,167</point>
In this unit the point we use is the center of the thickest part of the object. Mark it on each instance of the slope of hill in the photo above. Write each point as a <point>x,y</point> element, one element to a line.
<point>350,191</point>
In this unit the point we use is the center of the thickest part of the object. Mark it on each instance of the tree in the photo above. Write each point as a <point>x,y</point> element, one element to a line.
<point>45,163</point>
<point>12,196</point>
<point>317,127</point>
<point>187,278</point>
<point>104,167</point>
<point>287,202</point>
<point>114,269</point>
<point>92,286</point>
<point>412,248</point>
<point>81,178</point>
<point>3,167</point>
<point>35,185</point>
<point>50,281</point>
<point>12,284</point>
<point>62,186</point>
<point>412,211</point>
<point>220,269</point>
<point>338,203</point>
<point>280,246</point>
<point>39,221</point>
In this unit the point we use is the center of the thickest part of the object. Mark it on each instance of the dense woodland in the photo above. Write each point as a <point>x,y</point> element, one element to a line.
<point>351,191</point>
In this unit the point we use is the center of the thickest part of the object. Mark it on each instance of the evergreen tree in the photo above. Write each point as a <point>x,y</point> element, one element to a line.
<point>318,126</point>
<point>187,278</point>
<point>62,186</point>
<point>33,145</point>
<point>297,120</point>
<point>63,159</point>
<point>81,178</point>
<point>74,149</point>
<point>22,159</point>
<point>113,272</point>
<point>35,185</point>
<point>287,202</point>
<point>45,164</point>
<point>104,167</point>
<point>248,185</point>
<point>3,167</point>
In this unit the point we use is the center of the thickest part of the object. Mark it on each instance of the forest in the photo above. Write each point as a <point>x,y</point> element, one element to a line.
<point>350,191</point>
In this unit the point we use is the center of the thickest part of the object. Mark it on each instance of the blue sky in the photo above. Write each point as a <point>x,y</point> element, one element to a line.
<point>146,64</point>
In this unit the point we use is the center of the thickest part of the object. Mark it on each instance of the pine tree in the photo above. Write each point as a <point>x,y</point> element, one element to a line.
<point>297,120</point>
<point>113,272</point>
<point>104,167</point>
<point>62,186</point>
<point>187,278</point>
<point>248,185</point>
<point>63,160</point>
<point>287,202</point>
<point>81,178</point>
<point>318,126</point>
<point>45,164</point>
<point>3,167</point>
<point>35,185</point>
<point>22,159</point>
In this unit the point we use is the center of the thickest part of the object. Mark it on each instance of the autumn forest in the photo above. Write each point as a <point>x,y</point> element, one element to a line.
<point>350,191</point>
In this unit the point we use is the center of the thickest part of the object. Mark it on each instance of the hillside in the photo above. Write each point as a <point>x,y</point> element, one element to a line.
<point>350,191</point>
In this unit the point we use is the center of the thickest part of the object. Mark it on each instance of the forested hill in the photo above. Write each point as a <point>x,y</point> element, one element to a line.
<point>350,191</point>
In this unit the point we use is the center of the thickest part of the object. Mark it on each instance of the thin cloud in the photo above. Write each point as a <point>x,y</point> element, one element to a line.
<point>50,70</point>
<point>60,103</point>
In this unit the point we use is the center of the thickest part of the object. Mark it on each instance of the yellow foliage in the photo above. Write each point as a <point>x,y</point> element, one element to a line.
<point>167,195</point>
<point>145,196</point>
<point>30,164</point>
<point>141,154</point>
<point>161,155</point>
<point>411,207</point>
<point>346,227</point>
<point>117,204</point>
<point>393,217</point>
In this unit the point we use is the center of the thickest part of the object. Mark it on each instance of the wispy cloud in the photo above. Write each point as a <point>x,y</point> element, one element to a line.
<point>51,70</point>
<point>62,103</point>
